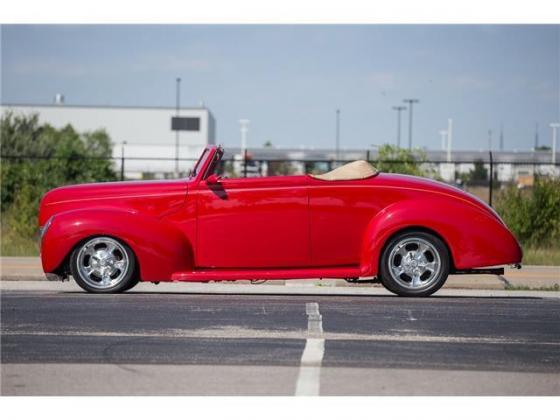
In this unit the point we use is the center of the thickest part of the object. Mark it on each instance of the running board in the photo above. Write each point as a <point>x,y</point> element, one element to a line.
<point>496,271</point>
<point>356,280</point>
<point>267,274</point>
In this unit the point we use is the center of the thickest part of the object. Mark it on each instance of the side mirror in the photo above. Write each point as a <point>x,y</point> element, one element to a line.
<point>213,179</point>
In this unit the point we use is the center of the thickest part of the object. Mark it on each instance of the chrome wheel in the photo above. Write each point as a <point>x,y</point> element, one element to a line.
<point>102,263</point>
<point>414,263</point>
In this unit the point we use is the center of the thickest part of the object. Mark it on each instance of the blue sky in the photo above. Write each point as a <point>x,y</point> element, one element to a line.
<point>289,80</point>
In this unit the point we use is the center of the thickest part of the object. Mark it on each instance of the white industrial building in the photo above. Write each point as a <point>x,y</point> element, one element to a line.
<point>138,131</point>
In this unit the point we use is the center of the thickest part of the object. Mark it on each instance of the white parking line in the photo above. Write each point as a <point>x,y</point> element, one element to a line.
<point>309,378</point>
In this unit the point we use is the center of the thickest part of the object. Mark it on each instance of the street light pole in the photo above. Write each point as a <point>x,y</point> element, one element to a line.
<point>410,103</point>
<point>399,109</point>
<point>177,107</point>
<point>337,135</point>
<point>554,127</point>
<point>443,134</point>
<point>244,129</point>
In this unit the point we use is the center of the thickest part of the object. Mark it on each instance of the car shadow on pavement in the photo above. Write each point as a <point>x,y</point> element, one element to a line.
<point>306,295</point>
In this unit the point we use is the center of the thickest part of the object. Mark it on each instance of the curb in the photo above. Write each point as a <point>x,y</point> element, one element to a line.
<point>269,290</point>
<point>541,278</point>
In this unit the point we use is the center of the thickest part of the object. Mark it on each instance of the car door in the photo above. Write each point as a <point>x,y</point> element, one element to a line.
<point>253,223</point>
<point>339,214</point>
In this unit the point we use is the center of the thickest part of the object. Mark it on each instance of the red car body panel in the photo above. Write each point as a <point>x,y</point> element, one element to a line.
<point>252,223</point>
<point>269,228</point>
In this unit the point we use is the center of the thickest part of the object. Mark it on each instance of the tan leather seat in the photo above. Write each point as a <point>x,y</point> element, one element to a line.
<point>359,169</point>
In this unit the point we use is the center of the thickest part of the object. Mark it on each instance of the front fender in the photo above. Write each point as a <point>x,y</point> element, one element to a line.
<point>474,236</point>
<point>161,248</point>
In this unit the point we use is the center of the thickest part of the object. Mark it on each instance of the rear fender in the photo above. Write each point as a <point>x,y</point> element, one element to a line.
<point>161,248</point>
<point>474,237</point>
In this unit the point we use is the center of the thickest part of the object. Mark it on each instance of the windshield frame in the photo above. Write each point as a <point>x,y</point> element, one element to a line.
<point>212,164</point>
<point>206,163</point>
<point>200,163</point>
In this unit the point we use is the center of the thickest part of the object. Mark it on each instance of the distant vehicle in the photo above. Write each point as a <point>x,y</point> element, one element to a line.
<point>353,223</point>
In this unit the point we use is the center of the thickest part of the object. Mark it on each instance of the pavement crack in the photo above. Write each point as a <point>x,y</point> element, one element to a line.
<point>504,280</point>
<point>106,353</point>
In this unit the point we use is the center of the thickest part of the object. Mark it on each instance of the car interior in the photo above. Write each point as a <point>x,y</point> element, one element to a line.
<point>358,169</point>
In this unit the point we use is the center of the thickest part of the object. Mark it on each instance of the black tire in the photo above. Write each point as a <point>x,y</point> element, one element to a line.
<point>133,283</point>
<point>410,283</point>
<point>127,277</point>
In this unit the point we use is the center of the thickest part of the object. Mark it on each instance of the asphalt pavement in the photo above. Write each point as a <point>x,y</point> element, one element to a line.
<point>277,340</point>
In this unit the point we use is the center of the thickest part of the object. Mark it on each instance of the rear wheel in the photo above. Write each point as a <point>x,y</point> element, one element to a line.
<point>103,265</point>
<point>414,263</point>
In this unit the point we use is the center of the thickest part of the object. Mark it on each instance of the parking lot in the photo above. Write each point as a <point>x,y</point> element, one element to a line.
<point>193,339</point>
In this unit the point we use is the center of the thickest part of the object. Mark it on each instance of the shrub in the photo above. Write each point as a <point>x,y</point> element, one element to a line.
<point>533,214</point>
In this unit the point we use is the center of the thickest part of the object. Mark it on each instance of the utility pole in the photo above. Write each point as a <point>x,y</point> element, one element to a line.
<point>177,107</point>
<point>491,178</point>
<point>554,127</point>
<point>491,174</point>
<point>410,103</point>
<point>399,109</point>
<point>536,136</point>
<point>501,137</point>
<point>337,135</point>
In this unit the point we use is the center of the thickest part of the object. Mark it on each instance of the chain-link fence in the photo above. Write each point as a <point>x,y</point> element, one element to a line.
<point>480,177</point>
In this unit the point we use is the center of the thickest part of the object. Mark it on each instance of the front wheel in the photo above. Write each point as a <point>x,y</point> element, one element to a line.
<point>414,263</point>
<point>103,265</point>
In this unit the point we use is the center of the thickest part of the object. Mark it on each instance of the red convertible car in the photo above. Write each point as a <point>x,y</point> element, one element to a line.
<point>352,223</point>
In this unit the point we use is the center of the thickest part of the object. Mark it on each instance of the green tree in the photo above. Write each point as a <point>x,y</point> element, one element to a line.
<point>402,161</point>
<point>479,173</point>
<point>37,158</point>
<point>477,176</point>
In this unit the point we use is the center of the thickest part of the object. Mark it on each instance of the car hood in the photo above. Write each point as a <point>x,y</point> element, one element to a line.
<point>109,194</point>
